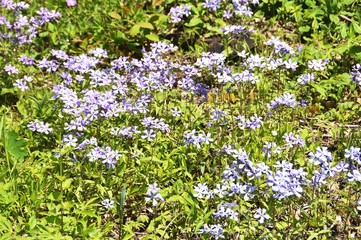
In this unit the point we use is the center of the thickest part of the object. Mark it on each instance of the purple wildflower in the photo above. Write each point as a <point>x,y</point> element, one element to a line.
<point>70,3</point>
<point>212,5</point>
<point>39,126</point>
<point>153,194</point>
<point>317,64</point>
<point>214,230</point>
<point>261,215</point>
<point>10,69</point>
<point>356,74</point>
<point>286,99</point>
<point>177,13</point>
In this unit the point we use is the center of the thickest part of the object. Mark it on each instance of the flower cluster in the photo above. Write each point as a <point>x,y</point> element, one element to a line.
<point>40,126</point>
<point>322,158</point>
<point>270,148</point>
<point>280,47</point>
<point>286,99</point>
<point>24,29</point>
<point>242,77</point>
<point>106,155</point>
<point>317,64</point>
<point>195,138</point>
<point>177,13</point>
<point>356,74</point>
<point>353,154</point>
<point>234,29</point>
<point>126,132</point>
<point>306,78</point>
<point>226,210</point>
<point>70,3</point>
<point>212,5</point>
<point>293,140</point>
<point>215,231</point>
<point>287,181</point>
<point>253,122</point>
<point>10,69</point>
<point>211,60</point>
<point>22,84</point>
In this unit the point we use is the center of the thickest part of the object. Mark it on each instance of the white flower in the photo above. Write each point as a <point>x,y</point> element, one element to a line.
<point>261,215</point>
<point>108,204</point>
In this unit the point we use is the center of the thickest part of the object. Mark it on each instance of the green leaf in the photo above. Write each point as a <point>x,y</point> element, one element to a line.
<point>121,35</point>
<point>358,57</point>
<point>66,184</point>
<point>143,218</point>
<point>150,227</point>
<point>115,15</point>
<point>32,222</point>
<point>120,208</point>
<point>53,38</point>
<point>2,128</point>
<point>356,26</point>
<point>342,48</point>
<point>194,22</point>
<point>145,25</point>
<point>152,37</point>
<point>348,2</point>
<point>315,235</point>
<point>15,145</point>
<point>94,233</point>
<point>5,224</point>
<point>310,3</point>
<point>334,18</point>
<point>89,213</point>
<point>7,90</point>
<point>176,198</point>
<point>134,30</point>
<point>320,90</point>
<point>346,105</point>
<point>315,24</point>
<point>281,225</point>
<point>303,29</point>
<point>43,34</point>
<point>355,49</point>
<point>344,29</point>
<point>51,27</point>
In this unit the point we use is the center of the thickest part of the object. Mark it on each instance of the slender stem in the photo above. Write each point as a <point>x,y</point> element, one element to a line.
<point>61,193</point>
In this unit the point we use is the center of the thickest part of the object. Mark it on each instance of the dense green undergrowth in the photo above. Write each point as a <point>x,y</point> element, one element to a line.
<point>180,119</point>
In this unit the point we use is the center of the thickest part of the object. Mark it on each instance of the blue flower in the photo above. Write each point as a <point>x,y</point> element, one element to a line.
<point>177,13</point>
<point>353,153</point>
<point>317,64</point>
<point>286,99</point>
<point>306,78</point>
<point>356,74</point>
<point>215,230</point>
<point>153,194</point>
<point>39,126</point>
<point>261,215</point>
<point>212,5</point>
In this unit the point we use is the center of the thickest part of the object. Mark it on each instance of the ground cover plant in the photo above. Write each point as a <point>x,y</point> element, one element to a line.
<point>180,120</point>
